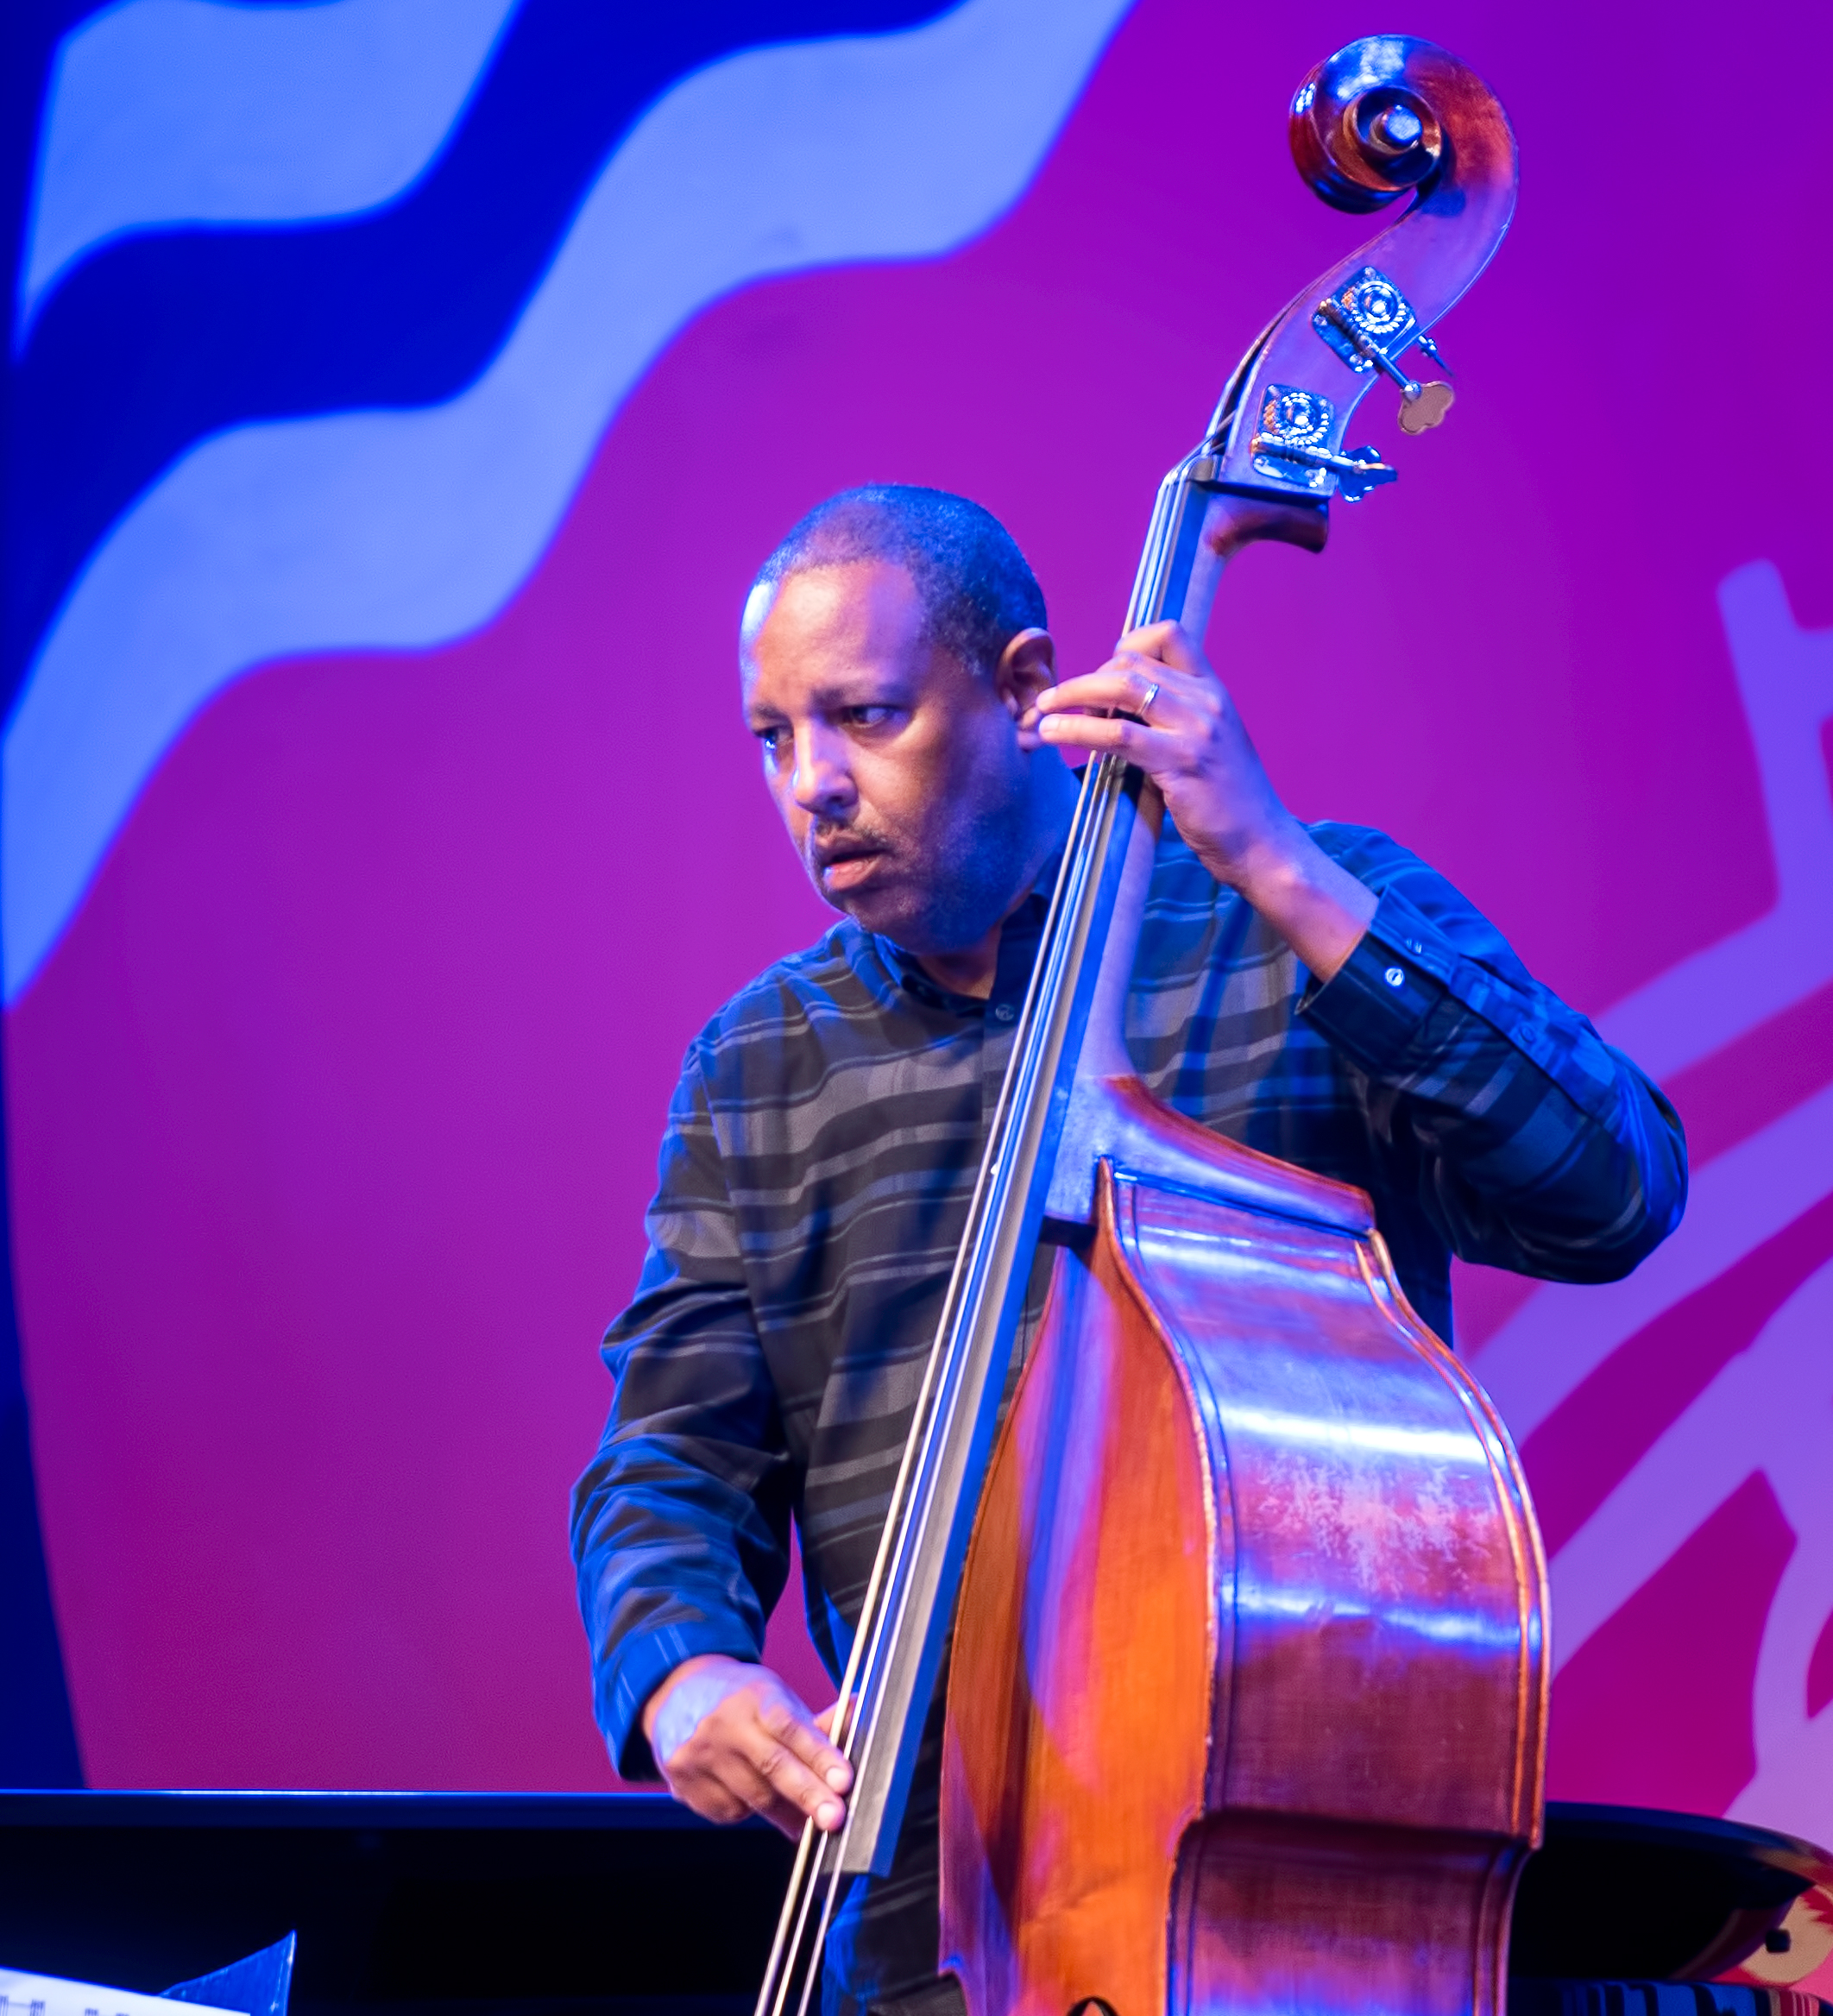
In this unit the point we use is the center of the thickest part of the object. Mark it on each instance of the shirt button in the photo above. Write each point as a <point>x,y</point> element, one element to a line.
<point>1395,977</point>
<point>1005,1012</point>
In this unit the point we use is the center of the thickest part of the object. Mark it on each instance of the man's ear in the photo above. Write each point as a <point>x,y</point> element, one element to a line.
<point>1026,667</point>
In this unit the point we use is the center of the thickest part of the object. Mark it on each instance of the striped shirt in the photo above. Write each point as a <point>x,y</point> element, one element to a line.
<point>815,1179</point>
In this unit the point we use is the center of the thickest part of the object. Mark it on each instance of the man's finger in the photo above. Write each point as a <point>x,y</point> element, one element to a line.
<point>1169,642</point>
<point>794,1785</point>
<point>806,1737</point>
<point>1099,690</point>
<point>721,1778</point>
<point>729,1789</point>
<point>703,1778</point>
<point>1126,687</point>
<point>713,1799</point>
<point>771,1755</point>
<point>1096,731</point>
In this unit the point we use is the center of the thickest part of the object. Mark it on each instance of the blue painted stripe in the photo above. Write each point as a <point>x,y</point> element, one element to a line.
<point>407,528</point>
<point>155,342</point>
<point>164,112</point>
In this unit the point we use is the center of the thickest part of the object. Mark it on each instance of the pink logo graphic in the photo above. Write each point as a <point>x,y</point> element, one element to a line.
<point>1737,1306</point>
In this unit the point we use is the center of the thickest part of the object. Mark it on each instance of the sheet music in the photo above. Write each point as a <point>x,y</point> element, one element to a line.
<point>45,1994</point>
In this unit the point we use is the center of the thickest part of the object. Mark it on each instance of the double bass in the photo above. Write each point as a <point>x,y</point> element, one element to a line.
<point>1248,1687</point>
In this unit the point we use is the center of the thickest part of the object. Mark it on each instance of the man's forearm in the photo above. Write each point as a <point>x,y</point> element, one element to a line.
<point>1315,904</point>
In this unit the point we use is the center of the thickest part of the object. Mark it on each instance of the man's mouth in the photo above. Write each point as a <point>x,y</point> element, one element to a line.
<point>844,864</point>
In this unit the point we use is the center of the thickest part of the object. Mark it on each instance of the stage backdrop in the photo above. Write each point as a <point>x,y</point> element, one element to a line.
<point>404,391</point>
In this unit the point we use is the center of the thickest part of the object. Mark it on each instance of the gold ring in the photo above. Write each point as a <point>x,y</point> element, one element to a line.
<point>1145,704</point>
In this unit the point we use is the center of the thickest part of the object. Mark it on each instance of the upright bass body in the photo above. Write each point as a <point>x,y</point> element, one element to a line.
<point>1249,1690</point>
<point>1247,1706</point>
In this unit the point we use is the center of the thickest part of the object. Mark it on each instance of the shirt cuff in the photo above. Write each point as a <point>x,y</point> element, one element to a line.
<point>1375,1004</point>
<point>643,1662</point>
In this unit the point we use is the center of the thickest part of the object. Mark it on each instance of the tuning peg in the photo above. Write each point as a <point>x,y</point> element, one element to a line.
<point>1421,405</point>
<point>1425,406</point>
<point>1357,473</point>
<point>1361,471</point>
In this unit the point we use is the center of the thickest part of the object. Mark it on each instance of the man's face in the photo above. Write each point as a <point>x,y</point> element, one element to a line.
<point>897,768</point>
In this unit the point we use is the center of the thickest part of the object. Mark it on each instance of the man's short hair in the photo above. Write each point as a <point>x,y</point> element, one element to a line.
<point>977,589</point>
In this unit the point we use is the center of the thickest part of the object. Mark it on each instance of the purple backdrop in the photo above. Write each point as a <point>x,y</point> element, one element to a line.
<point>334,1088</point>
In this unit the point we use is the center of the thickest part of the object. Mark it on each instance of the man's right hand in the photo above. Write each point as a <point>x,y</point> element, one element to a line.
<point>738,1741</point>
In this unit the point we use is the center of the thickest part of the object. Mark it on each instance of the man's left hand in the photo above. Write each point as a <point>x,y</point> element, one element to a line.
<point>1187,737</point>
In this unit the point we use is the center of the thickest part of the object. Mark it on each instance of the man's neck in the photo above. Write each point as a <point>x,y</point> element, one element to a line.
<point>970,970</point>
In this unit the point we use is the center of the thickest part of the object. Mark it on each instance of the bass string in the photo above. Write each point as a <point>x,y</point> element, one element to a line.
<point>795,1953</point>
<point>797,1946</point>
<point>916,1503</point>
<point>905,1511</point>
<point>1084,859</point>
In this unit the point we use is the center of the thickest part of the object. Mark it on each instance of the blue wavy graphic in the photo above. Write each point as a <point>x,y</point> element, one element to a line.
<point>155,343</point>
<point>407,528</point>
<point>164,112</point>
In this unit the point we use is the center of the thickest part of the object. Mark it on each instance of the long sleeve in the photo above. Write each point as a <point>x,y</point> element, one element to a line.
<point>680,1525</point>
<point>1527,1140</point>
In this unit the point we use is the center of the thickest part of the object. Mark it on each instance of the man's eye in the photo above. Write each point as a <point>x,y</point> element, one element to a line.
<point>771,738</point>
<point>868,717</point>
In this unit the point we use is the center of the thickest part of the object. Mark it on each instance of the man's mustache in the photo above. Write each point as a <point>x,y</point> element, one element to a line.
<point>828,844</point>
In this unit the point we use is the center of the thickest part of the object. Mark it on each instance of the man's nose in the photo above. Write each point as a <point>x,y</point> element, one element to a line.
<point>822,784</point>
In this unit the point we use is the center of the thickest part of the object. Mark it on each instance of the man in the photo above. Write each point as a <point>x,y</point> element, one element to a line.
<point>1316,992</point>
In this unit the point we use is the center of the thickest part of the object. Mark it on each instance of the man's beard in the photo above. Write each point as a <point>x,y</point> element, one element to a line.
<point>952,884</point>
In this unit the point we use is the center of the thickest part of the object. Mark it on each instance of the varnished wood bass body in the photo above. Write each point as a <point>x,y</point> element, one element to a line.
<point>1247,1709</point>
<point>1248,1701</point>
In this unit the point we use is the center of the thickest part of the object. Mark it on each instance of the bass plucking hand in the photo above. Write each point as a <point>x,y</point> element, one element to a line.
<point>1158,702</point>
<point>730,1739</point>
